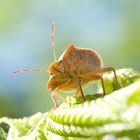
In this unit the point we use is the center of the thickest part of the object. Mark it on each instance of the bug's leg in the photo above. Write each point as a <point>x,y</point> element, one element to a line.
<point>55,94</point>
<point>103,70</point>
<point>78,94</point>
<point>98,77</point>
<point>55,102</point>
<point>93,76</point>
<point>103,86</point>
<point>115,75</point>
<point>80,88</point>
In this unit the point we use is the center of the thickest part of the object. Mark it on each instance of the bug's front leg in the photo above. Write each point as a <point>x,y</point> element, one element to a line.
<point>55,94</point>
<point>55,102</point>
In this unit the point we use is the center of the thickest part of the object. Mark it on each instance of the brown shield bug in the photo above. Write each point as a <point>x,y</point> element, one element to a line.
<point>75,68</point>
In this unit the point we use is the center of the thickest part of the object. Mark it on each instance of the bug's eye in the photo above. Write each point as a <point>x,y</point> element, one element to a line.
<point>60,61</point>
<point>51,74</point>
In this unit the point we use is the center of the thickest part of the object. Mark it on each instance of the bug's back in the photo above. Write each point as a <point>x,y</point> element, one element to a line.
<point>80,61</point>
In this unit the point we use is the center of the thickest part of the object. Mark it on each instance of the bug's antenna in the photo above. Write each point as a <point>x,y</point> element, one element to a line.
<point>53,41</point>
<point>18,71</point>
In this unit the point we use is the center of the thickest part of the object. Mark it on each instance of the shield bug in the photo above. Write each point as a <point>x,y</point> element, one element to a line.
<point>75,67</point>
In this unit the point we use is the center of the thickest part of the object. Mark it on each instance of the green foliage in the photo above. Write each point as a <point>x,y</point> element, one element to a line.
<point>115,116</point>
<point>2,134</point>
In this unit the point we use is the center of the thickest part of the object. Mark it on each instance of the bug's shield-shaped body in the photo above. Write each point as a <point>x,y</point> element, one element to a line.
<point>73,62</point>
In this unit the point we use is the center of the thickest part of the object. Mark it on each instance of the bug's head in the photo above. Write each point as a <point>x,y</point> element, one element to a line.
<point>56,68</point>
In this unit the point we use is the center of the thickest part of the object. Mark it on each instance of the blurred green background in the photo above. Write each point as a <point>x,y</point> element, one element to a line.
<point>110,27</point>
